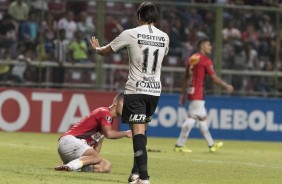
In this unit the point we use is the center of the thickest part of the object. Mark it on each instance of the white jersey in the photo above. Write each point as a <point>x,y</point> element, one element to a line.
<point>146,46</point>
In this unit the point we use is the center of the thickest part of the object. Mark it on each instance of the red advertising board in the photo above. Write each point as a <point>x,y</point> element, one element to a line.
<point>48,110</point>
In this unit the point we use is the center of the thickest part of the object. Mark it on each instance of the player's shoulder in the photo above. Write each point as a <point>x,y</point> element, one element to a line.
<point>103,109</point>
<point>105,114</point>
<point>197,57</point>
<point>127,32</point>
<point>194,59</point>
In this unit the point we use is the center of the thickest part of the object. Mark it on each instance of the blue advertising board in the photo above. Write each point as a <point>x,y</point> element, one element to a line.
<point>234,118</point>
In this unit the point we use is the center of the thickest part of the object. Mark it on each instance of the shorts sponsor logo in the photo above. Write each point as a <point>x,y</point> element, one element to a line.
<point>138,118</point>
<point>148,86</point>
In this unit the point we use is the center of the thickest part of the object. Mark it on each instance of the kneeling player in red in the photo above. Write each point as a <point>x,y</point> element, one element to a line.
<point>79,147</point>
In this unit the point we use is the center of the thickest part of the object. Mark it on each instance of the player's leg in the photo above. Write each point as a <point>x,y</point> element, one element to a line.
<point>135,113</point>
<point>205,129</point>
<point>140,151</point>
<point>203,125</point>
<point>103,167</point>
<point>127,111</point>
<point>89,157</point>
<point>76,154</point>
<point>134,176</point>
<point>184,134</point>
<point>140,138</point>
<point>186,129</point>
<point>135,171</point>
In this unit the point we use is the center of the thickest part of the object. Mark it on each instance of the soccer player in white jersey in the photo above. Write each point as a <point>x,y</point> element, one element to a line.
<point>146,46</point>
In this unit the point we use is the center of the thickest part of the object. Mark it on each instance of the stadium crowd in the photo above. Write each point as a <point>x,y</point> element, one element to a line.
<point>58,32</point>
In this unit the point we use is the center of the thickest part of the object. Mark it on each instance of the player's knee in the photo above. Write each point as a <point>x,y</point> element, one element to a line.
<point>203,118</point>
<point>107,166</point>
<point>189,123</point>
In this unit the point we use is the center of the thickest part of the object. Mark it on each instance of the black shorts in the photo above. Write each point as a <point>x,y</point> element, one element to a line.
<point>138,108</point>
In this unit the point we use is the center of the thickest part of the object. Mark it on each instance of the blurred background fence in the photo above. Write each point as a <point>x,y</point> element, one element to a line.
<point>44,43</point>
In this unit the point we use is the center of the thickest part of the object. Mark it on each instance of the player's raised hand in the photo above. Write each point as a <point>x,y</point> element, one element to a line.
<point>94,42</point>
<point>182,99</point>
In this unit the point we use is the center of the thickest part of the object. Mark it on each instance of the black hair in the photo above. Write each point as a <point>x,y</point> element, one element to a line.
<point>201,41</point>
<point>148,12</point>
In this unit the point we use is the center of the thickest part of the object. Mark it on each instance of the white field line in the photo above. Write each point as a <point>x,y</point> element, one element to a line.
<point>250,164</point>
<point>25,146</point>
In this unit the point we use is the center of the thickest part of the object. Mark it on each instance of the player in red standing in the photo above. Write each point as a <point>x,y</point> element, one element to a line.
<point>79,147</point>
<point>198,66</point>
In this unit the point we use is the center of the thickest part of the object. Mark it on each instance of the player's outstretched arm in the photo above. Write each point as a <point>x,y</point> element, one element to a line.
<point>112,134</point>
<point>218,81</point>
<point>103,51</point>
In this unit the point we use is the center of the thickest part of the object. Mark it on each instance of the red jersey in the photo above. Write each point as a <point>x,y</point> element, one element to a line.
<point>198,65</point>
<point>91,124</point>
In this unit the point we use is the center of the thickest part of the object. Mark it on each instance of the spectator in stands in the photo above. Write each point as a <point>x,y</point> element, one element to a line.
<point>85,26</point>
<point>228,57</point>
<point>29,29</point>
<point>178,37</point>
<point>112,28</point>
<point>60,56</point>
<point>78,49</point>
<point>23,60</point>
<point>4,68</point>
<point>251,35</point>
<point>249,57</point>
<point>232,35</point>
<point>195,33</point>
<point>39,5</point>
<point>208,24</point>
<point>68,24</point>
<point>267,33</point>
<point>255,18</point>
<point>49,26</point>
<point>77,6</point>
<point>44,48</point>
<point>8,34</point>
<point>266,85</point>
<point>19,10</point>
<point>230,32</point>
<point>194,18</point>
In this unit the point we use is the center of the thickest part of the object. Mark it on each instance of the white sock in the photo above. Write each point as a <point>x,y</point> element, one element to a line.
<point>205,132</point>
<point>185,130</point>
<point>75,164</point>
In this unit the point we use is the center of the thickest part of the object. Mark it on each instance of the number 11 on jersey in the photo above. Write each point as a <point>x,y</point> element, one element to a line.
<point>146,53</point>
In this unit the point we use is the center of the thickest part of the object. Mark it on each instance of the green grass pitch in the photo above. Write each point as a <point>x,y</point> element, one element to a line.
<point>30,158</point>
